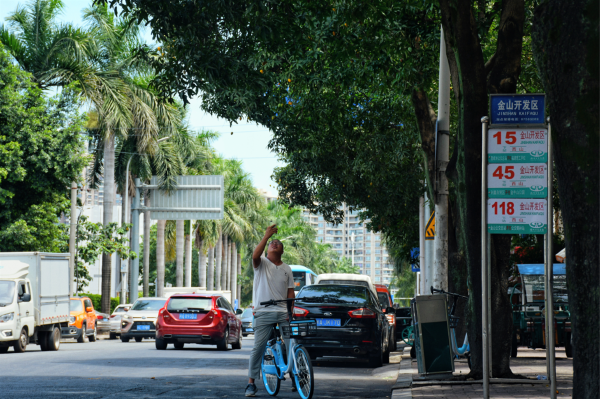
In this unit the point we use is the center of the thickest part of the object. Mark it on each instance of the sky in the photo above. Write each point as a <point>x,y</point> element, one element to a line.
<point>248,142</point>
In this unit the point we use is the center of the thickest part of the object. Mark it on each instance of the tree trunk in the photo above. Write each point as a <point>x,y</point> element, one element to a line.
<point>188,259</point>
<point>461,29</point>
<point>228,273</point>
<point>225,249</point>
<point>179,239</point>
<point>202,264</point>
<point>239,273</point>
<point>503,71</point>
<point>565,46</point>
<point>108,203</point>
<point>219,258</point>
<point>147,223</point>
<point>233,272</point>
<point>210,269</point>
<point>160,258</point>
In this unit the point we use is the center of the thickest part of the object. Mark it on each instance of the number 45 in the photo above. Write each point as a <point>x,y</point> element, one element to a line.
<point>508,172</point>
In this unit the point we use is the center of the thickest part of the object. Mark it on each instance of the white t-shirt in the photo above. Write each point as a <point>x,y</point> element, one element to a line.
<point>271,282</point>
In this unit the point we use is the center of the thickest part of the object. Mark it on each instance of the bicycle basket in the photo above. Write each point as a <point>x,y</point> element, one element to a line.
<point>454,321</point>
<point>300,328</point>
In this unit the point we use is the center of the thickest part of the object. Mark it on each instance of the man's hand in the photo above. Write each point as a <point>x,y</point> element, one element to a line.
<point>271,230</point>
<point>260,248</point>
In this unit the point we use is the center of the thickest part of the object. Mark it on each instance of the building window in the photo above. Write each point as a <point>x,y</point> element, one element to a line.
<point>377,238</point>
<point>378,251</point>
<point>320,225</point>
<point>320,218</point>
<point>377,244</point>
<point>320,232</point>
<point>378,258</point>
<point>368,244</point>
<point>367,258</point>
<point>377,271</point>
<point>368,252</point>
<point>378,265</point>
<point>377,279</point>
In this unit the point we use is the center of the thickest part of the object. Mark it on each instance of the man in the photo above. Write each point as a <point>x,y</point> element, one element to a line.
<point>273,279</point>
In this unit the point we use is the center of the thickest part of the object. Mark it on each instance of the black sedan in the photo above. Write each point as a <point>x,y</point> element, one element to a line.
<point>349,322</point>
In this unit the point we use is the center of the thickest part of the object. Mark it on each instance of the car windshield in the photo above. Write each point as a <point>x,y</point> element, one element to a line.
<point>345,282</point>
<point>247,313</point>
<point>189,304</point>
<point>384,301</point>
<point>76,305</point>
<point>7,292</point>
<point>338,294</point>
<point>121,310</point>
<point>299,280</point>
<point>148,304</point>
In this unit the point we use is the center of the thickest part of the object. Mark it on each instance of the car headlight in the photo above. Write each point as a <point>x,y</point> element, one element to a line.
<point>72,320</point>
<point>5,318</point>
<point>126,317</point>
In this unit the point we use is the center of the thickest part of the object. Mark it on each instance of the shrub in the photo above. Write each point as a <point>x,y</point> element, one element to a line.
<point>97,301</point>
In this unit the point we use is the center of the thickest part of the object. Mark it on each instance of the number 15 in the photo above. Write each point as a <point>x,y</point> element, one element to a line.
<point>511,137</point>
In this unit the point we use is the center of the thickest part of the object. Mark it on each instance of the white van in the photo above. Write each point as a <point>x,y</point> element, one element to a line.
<point>347,278</point>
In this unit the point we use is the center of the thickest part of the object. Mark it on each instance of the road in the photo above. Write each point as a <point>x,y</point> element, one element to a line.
<point>112,369</point>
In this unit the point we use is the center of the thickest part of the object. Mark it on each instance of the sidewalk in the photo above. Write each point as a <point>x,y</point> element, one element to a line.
<point>529,363</point>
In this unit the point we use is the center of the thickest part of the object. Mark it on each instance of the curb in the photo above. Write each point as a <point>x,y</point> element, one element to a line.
<point>402,388</point>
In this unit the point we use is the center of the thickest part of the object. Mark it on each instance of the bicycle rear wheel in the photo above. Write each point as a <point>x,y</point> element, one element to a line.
<point>304,377</point>
<point>271,381</point>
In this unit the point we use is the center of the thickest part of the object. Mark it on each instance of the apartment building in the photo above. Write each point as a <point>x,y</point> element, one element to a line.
<point>354,241</point>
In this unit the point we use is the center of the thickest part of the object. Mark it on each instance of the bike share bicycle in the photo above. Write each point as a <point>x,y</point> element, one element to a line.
<point>465,349</point>
<point>274,366</point>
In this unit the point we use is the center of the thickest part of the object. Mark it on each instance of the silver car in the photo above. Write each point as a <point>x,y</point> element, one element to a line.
<point>115,320</point>
<point>247,319</point>
<point>140,321</point>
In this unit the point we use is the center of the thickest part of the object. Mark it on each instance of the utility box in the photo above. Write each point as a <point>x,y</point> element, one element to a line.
<point>432,334</point>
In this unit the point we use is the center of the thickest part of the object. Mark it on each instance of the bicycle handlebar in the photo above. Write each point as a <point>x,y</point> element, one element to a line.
<point>273,302</point>
<point>434,290</point>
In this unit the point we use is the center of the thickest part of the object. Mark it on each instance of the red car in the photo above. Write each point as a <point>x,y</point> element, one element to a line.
<point>385,301</point>
<point>198,319</point>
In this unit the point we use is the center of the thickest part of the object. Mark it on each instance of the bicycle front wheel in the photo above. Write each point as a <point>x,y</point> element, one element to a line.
<point>271,381</point>
<point>304,377</point>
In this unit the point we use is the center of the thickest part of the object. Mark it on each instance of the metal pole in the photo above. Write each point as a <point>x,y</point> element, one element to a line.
<point>135,244</point>
<point>549,274</point>
<point>484,259</point>
<point>124,221</point>
<point>72,236</point>
<point>440,267</point>
<point>428,250</point>
<point>422,286</point>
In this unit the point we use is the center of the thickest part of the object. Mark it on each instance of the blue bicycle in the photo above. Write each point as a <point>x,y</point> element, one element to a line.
<point>465,349</point>
<point>274,366</point>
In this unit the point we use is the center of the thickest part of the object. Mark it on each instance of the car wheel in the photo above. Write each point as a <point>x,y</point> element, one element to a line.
<point>223,345</point>
<point>3,349</point>
<point>178,345</point>
<point>138,339</point>
<point>386,355</point>
<point>515,344</point>
<point>112,336</point>
<point>161,344</point>
<point>53,340</point>
<point>238,343</point>
<point>568,346</point>
<point>124,338</point>
<point>21,344</point>
<point>94,335</point>
<point>244,335</point>
<point>43,340</point>
<point>376,357</point>
<point>81,338</point>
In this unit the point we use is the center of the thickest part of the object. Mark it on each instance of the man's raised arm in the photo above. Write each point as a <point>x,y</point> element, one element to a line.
<point>260,248</point>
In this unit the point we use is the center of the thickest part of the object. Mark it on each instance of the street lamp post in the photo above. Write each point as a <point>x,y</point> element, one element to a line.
<point>352,247</point>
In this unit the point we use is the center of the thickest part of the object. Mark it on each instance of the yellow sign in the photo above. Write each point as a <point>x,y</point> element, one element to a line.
<point>430,228</point>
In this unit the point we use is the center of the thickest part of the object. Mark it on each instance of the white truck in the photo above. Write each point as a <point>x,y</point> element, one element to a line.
<point>34,299</point>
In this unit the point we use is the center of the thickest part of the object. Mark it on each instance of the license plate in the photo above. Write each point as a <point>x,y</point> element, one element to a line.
<point>248,329</point>
<point>143,327</point>
<point>188,316</point>
<point>329,322</point>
